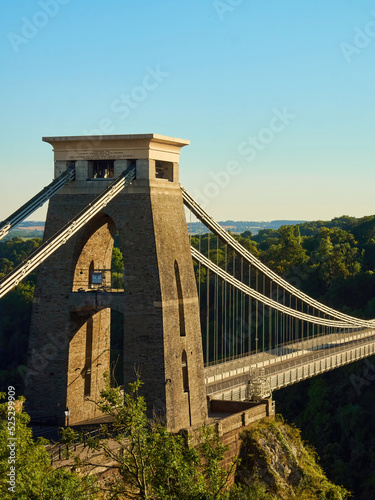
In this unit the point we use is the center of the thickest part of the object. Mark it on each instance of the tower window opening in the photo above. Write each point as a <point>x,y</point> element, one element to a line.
<point>102,169</point>
<point>164,170</point>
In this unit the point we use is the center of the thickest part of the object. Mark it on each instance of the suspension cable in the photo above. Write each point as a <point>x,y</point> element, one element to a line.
<point>62,236</point>
<point>260,297</point>
<point>210,223</point>
<point>36,202</point>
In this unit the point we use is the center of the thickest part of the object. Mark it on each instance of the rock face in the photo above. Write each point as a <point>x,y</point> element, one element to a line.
<point>274,456</point>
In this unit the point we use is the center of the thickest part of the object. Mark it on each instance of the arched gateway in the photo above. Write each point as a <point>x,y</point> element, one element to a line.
<point>69,346</point>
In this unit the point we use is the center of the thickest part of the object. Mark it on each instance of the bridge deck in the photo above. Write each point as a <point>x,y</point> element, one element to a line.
<point>289,364</point>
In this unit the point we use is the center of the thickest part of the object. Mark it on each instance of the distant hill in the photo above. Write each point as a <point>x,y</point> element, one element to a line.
<point>241,226</point>
<point>35,229</point>
<point>27,229</point>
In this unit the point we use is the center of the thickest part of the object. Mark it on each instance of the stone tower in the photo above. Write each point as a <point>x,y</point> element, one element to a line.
<point>69,348</point>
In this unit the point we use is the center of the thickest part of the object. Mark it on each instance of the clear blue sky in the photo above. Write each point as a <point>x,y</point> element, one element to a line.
<point>226,71</point>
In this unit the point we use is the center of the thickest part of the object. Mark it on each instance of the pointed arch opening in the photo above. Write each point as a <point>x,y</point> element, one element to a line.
<point>88,358</point>
<point>181,312</point>
<point>99,260</point>
<point>96,345</point>
<point>91,271</point>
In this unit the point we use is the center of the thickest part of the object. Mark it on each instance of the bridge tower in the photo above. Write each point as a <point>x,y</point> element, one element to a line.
<point>69,348</point>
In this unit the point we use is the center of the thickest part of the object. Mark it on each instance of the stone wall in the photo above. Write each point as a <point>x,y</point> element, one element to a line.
<point>231,427</point>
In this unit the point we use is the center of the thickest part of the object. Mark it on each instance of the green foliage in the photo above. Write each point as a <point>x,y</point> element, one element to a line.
<point>256,491</point>
<point>117,261</point>
<point>288,252</point>
<point>5,267</point>
<point>152,462</point>
<point>323,259</point>
<point>212,452</point>
<point>16,250</point>
<point>336,414</point>
<point>34,476</point>
<point>15,312</point>
<point>337,254</point>
<point>117,280</point>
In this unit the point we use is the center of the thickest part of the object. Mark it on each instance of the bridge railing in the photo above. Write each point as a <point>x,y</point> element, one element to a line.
<point>285,373</point>
<point>273,364</point>
<point>315,355</point>
<point>312,343</point>
<point>61,451</point>
<point>294,372</point>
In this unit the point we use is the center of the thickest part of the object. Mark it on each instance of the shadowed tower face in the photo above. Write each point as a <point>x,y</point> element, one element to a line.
<point>69,347</point>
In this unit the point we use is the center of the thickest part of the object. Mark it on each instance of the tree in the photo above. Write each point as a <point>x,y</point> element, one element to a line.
<point>5,267</point>
<point>35,479</point>
<point>213,451</point>
<point>247,243</point>
<point>15,315</point>
<point>16,250</point>
<point>288,253</point>
<point>117,261</point>
<point>117,268</point>
<point>151,462</point>
<point>337,254</point>
<point>247,234</point>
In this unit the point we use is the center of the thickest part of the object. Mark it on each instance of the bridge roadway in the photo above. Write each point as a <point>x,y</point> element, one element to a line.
<point>289,363</point>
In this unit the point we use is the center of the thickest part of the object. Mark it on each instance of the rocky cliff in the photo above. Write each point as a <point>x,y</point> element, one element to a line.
<point>276,463</point>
